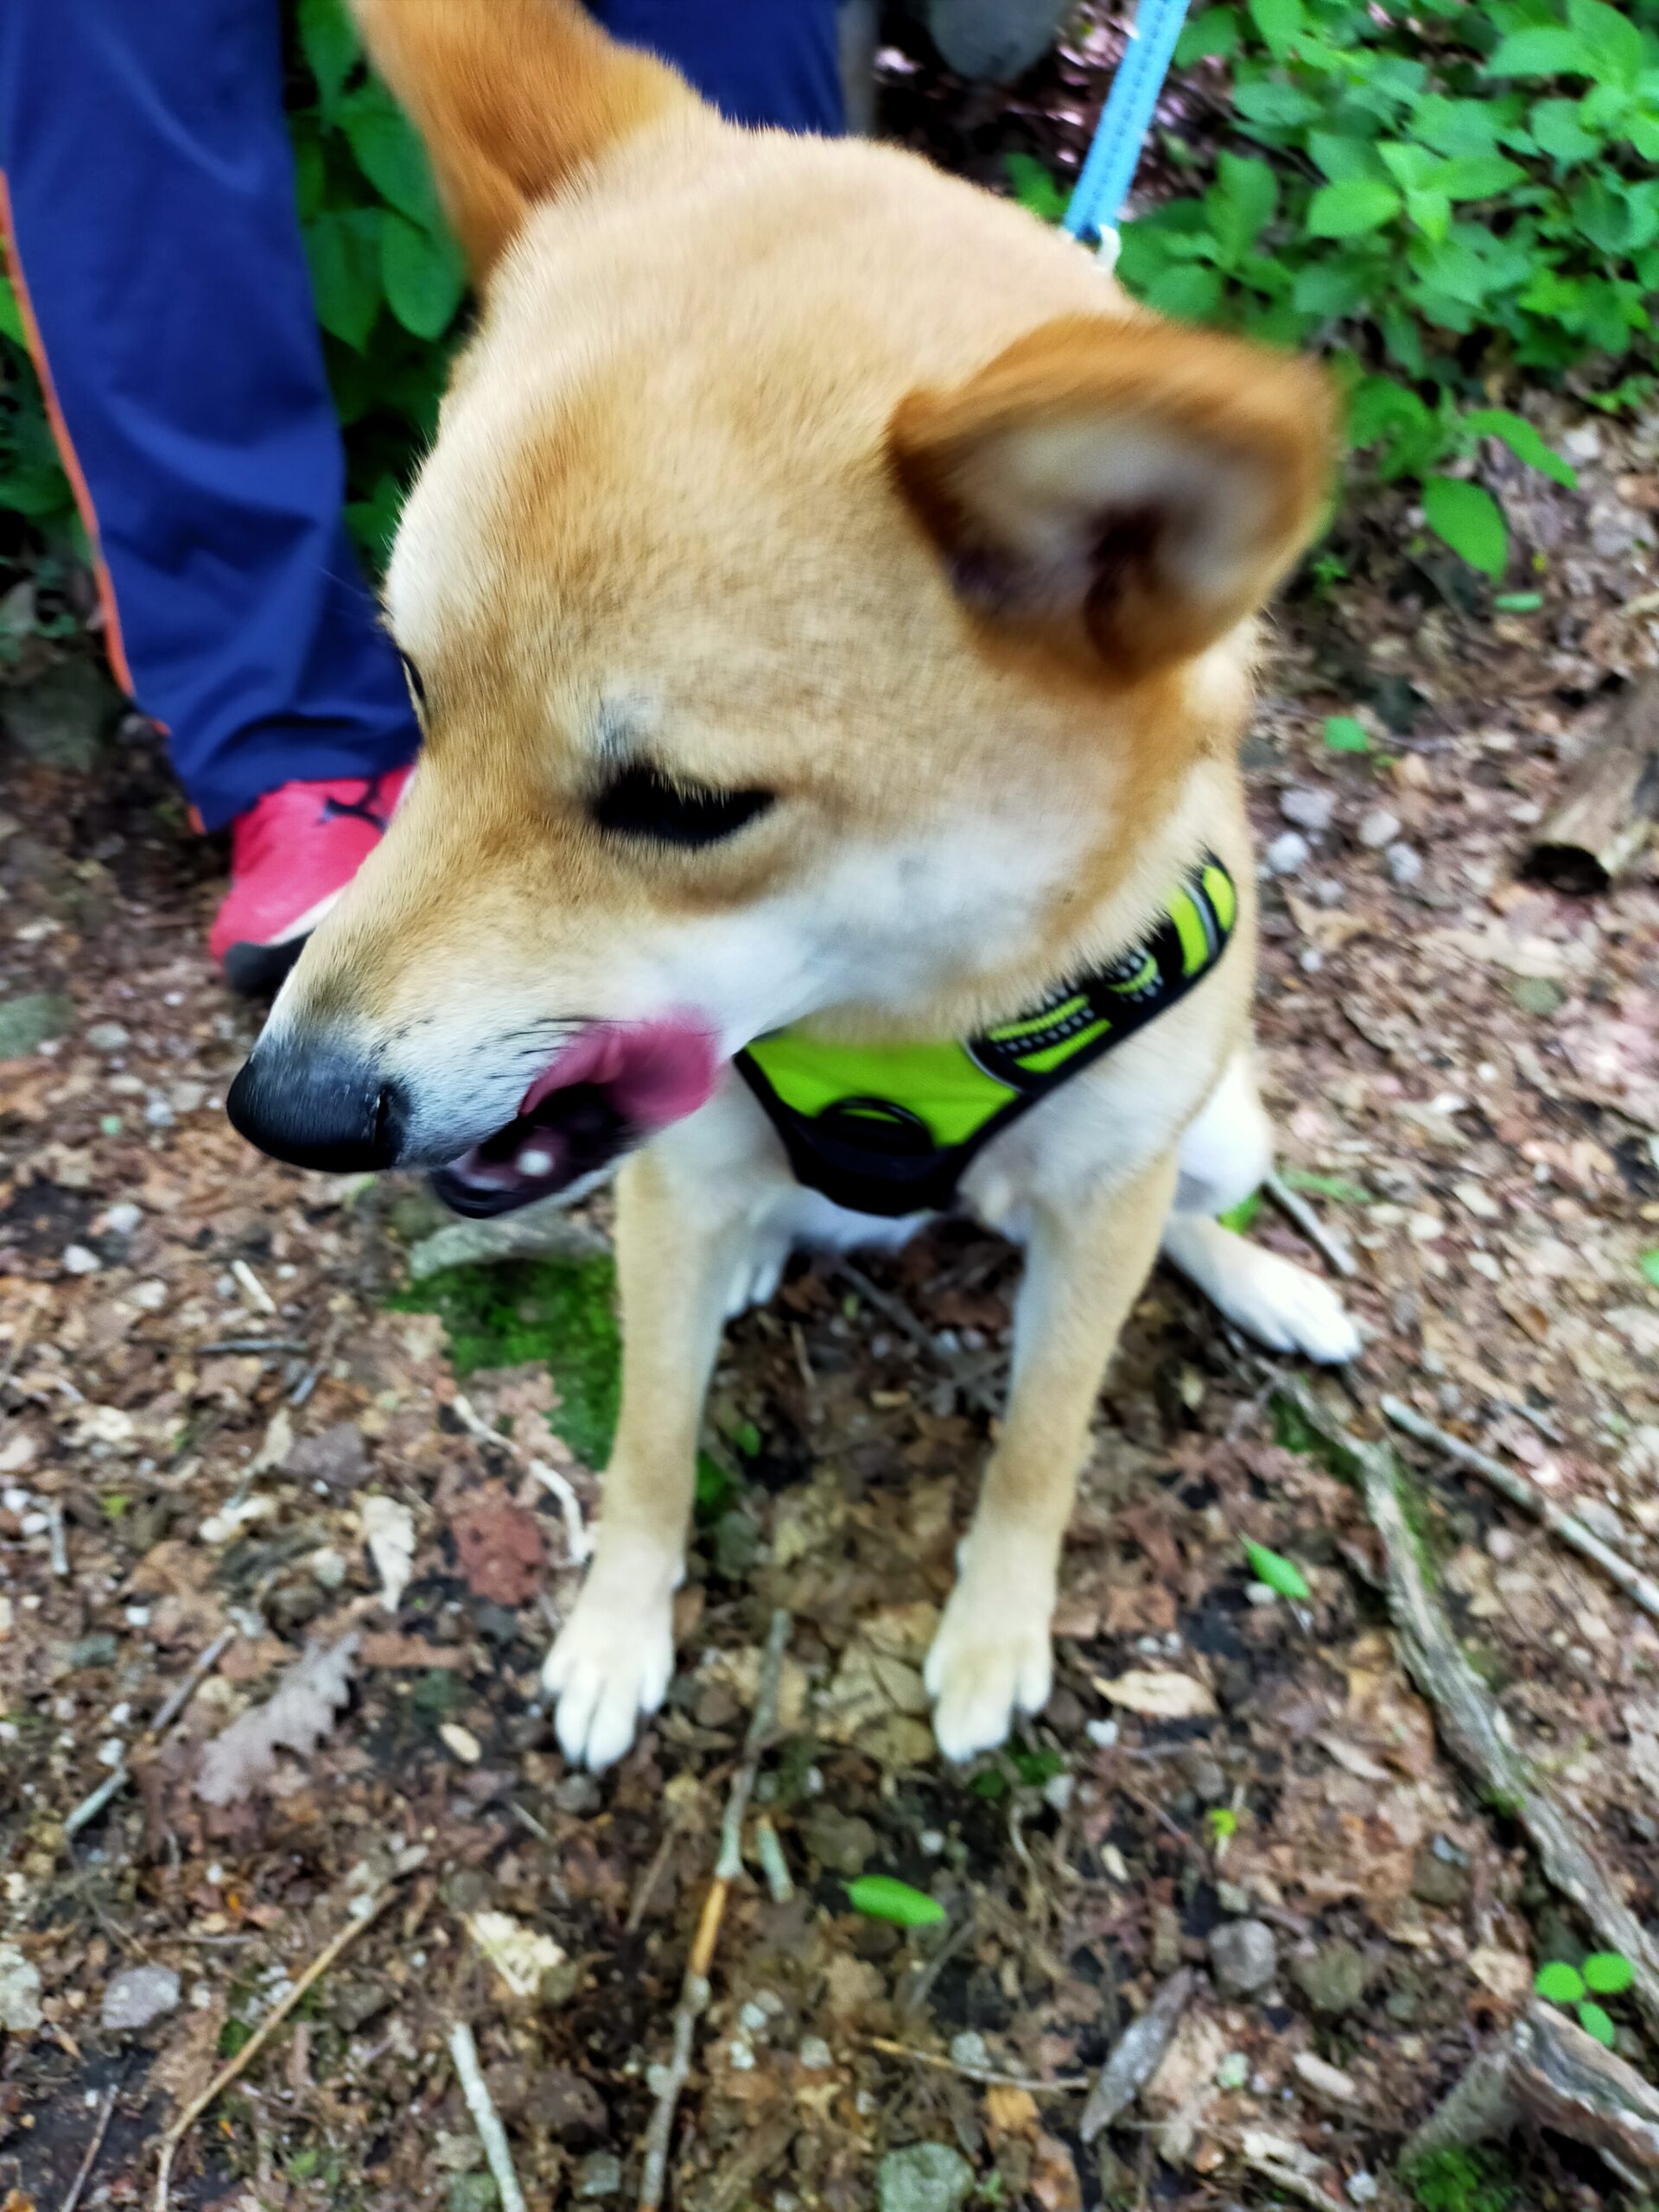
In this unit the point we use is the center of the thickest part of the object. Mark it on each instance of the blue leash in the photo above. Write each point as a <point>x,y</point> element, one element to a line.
<point>1124,121</point>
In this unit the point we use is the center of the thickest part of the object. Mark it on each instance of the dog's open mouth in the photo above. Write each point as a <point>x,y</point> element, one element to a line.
<point>611,1085</point>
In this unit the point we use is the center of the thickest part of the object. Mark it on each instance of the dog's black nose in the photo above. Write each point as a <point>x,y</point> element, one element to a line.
<point>321,1108</point>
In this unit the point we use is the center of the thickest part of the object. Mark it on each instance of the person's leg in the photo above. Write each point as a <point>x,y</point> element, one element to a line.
<point>152,222</point>
<point>759,61</point>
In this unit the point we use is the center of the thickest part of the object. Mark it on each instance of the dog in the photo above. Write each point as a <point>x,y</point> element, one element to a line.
<point>830,606</point>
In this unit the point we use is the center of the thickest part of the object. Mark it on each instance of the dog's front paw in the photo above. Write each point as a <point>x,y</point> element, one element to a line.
<point>991,1658</point>
<point>613,1660</point>
<point>1289,1309</point>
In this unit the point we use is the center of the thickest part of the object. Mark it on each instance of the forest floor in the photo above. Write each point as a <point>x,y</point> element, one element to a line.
<point>230,1418</point>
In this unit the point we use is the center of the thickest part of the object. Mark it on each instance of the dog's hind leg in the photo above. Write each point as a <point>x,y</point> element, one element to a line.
<point>1225,1155</point>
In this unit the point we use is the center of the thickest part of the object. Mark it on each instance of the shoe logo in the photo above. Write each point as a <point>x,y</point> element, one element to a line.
<point>359,809</point>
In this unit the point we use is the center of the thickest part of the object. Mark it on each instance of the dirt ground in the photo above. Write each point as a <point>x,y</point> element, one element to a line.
<point>234,1428</point>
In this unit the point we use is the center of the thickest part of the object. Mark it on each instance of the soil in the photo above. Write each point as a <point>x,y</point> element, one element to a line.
<point>220,1380</point>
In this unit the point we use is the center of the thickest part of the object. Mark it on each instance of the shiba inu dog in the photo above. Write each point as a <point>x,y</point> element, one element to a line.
<point>829,605</point>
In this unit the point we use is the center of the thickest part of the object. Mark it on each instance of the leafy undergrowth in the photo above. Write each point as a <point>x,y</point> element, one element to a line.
<point>1465,2181</point>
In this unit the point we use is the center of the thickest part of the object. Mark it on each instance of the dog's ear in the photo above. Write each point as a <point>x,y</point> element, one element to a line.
<point>512,96</point>
<point>1125,490</point>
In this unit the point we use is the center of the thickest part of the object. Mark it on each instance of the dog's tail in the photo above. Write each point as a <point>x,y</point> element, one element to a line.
<point>512,97</point>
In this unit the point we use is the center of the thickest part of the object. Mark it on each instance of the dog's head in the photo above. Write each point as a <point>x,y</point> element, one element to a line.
<point>824,598</point>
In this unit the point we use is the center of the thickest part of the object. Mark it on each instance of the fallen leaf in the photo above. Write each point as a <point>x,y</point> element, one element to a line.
<point>1508,1974</point>
<point>299,1714</point>
<point>500,1546</point>
<point>1054,2178</point>
<point>1158,1695</point>
<point>388,1530</point>
<point>1008,2110</point>
<point>520,1955</point>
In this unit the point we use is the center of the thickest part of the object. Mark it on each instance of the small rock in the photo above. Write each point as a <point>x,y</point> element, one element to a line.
<point>599,2175</point>
<point>1601,1520</point>
<point>80,1260</point>
<point>969,2049</point>
<point>1244,1956</point>
<point>923,2178</point>
<point>158,1115</point>
<point>1501,1545</point>
<point>841,1842</point>
<point>579,1793</point>
<point>1330,891</point>
<point>1378,828</point>
<point>461,1741</point>
<point>1208,1781</point>
<point>20,1992</point>
<point>1309,810</point>
<point>1333,1979</point>
<point>138,1996</point>
<point>1287,854</point>
<point>35,1020</point>
<point>1582,442</point>
<point>338,1457</point>
<point>1536,994</point>
<point>1232,1897</point>
<point>815,2055</point>
<point>1437,1881</point>
<point>1405,865</point>
<point>1328,2081</point>
<point>1166,1950</point>
<point>109,1037</point>
<point>354,2004</point>
<point>123,1217</point>
<point>1364,2189</point>
<point>97,1649</point>
<point>568,2105</point>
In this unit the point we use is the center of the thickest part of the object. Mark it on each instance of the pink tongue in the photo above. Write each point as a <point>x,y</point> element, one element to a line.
<point>654,1072</point>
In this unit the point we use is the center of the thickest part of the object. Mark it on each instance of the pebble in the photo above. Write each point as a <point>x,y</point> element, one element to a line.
<point>600,2175</point>
<point>151,1295</point>
<point>817,2056</point>
<point>1601,1520</point>
<point>135,1998</point>
<point>840,1842</point>
<point>1104,1733</point>
<point>109,1037</point>
<point>79,1260</point>
<point>1329,892</point>
<point>1501,1545</point>
<point>579,1793</point>
<point>923,2178</point>
<point>1309,810</point>
<point>1287,854</point>
<point>462,1742</point>
<point>970,2048</point>
<point>1232,1897</point>
<point>1324,2079</point>
<point>158,1115</point>
<point>1244,1955</point>
<point>1334,1979</point>
<point>20,1992</point>
<point>1364,2189</point>
<point>123,1217</point>
<point>1378,828</point>
<point>1405,865</point>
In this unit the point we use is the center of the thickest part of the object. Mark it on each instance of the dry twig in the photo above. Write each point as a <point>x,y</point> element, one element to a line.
<point>1640,1588</point>
<point>77,2187</point>
<point>577,1540</point>
<point>896,1310</point>
<point>1297,1211</point>
<point>1293,2184</point>
<point>1136,2055</point>
<point>991,2077</point>
<point>1546,2071</point>
<point>1474,1728</point>
<point>261,2035</point>
<point>729,1868</point>
<point>485,2118</point>
<point>91,1806</point>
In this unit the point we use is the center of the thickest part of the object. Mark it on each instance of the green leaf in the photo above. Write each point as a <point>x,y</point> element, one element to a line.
<point>1280,22</point>
<point>1649,1266</point>
<point>343,249</point>
<point>329,42</point>
<point>1608,1973</point>
<point>1238,1218</point>
<point>1242,203</point>
<point>425,277</point>
<point>1518,602</point>
<point>1189,293</point>
<point>1524,441</point>
<point>881,1897</point>
<point>11,315</point>
<point>1560,1983</point>
<point>1034,188</point>
<point>1338,1188</point>
<point>1469,520</point>
<point>1343,734</point>
<point>391,156</point>
<point>1211,37</point>
<point>1541,50</point>
<point>1556,126</point>
<point>1328,288</point>
<point>1348,210</point>
<point>1595,2022</point>
<point>1278,107</point>
<point>1280,1574</point>
<point>1609,38</point>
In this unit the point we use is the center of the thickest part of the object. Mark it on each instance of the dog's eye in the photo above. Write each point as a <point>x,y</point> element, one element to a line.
<point>417,689</point>
<point>641,802</point>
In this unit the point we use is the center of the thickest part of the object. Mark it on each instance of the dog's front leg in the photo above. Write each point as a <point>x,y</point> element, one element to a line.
<point>1086,1262</point>
<point>677,1241</point>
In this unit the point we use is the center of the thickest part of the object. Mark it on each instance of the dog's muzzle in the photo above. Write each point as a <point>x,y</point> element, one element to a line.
<point>322,1108</point>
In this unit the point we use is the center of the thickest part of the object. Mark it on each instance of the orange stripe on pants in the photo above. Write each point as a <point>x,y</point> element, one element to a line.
<point>71,467</point>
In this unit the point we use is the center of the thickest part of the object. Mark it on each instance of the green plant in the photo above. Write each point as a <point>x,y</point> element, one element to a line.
<point>1461,2181</point>
<point>883,1897</point>
<point>1603,1973</point>
<point>1446,198</point>
<point>1280,1574</point>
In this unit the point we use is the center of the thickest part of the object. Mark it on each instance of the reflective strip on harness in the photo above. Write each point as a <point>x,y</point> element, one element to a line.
<point>890,1129</point>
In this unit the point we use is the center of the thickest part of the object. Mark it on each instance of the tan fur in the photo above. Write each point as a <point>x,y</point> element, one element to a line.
<point>797,465</point>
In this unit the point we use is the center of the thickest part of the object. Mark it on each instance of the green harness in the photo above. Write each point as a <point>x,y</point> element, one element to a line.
<point>891,1129</point>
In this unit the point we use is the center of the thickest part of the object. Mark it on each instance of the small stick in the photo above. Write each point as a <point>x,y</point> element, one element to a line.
<point>91,1807</point>
<point>577,1540</point>
<point>78,2186</point>
<point>1292,2182</point>
<point>773,1865</point>
<point>57,1536</point>
<point>1296,1208</point>
<point>251,1288</point>
<point>262,2035</point>
<point>250,1344</point>
<point>1063,2085</point>
<point>1639,1587</point>
<point>1136,2056</point>
<point>894,1310</point>
<point>485,2118</point>
<point>729,1868</point>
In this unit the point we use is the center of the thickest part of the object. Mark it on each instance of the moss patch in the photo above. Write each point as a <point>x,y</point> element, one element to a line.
<point>1462,2181</point>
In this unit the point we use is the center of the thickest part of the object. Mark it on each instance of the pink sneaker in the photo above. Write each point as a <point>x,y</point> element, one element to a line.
<point>292,854</point>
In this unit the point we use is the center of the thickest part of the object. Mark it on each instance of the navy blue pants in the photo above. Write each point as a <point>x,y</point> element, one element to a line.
<point>151,217</point>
